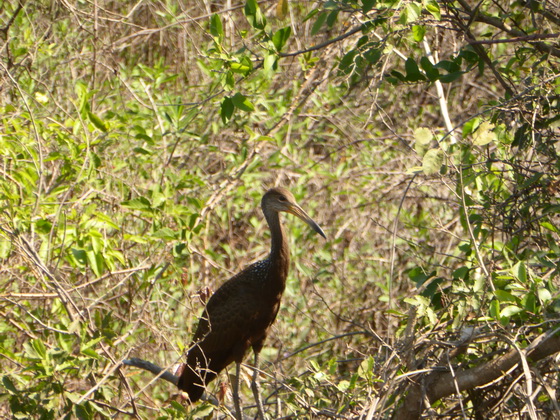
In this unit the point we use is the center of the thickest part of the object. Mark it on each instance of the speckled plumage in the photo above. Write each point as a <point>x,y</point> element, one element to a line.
<point>240,313</point>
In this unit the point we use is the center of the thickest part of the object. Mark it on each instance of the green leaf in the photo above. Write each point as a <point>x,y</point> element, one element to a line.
<point>495,309</point>
<point>412,71</point>
<point>106,220</point>
<point>142,151</point>
<point>432,161</point>
<point>140,203</point>
<point>9,385</point>
<point>411,13</point>
<point>79,256</point>
<point>242,68</point>
<point>40,349</point>
<point>91,353</point>
<point>95,260</point>
<point>216,27</point>
<point>43,226</point>
<point>431,71</point>
<point>228,81</point>
<point>312,13</point>
<point>240,101</point>
<point>521,272</point>
<point>343,385</point>
<point>280,37</point>
<point>91,343</point>
<point>332,18</point>
<point>545,224</point>
<point>470,126</point>
<point>451,77</point>
<point>432,7</point>
<point>530,302</point>
<point>5,248</point>
<point>504,296</point>
<point>270,62</point>
<point>318,23</point>
<point>450,66</point>
<point>544,295</point>
<point>418,32</point>
<point>41,98</point>
<point>254,15</point>
<point>96,121</point>
<point>367,5</point>
<point>347,63</point>
<point>227,109</point>
<point>165,233</point>
<point>373,55</point>
<point>510,311</point>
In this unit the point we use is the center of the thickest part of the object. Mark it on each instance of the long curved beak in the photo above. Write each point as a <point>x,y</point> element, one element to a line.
<point>299,212</point>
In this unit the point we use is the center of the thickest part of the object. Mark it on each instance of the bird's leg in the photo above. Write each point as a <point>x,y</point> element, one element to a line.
<point>256,389</point>
<point>236,383</point>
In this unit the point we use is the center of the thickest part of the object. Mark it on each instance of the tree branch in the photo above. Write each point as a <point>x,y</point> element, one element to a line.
<point>476,15</point>
<point>324,44</point>
<point>436,385</point>
<point>527,38</point>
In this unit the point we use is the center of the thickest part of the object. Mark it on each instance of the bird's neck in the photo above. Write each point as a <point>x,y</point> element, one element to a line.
<point>279,252</point>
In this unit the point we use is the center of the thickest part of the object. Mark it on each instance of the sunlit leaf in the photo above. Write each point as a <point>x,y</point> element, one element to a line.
<point>418,32</point>
<point>544,294</point>
<point>510,311</point>
<point>432,161</point>
<point>484,134</point>
<point>432,6</point>
<point>423,135</point>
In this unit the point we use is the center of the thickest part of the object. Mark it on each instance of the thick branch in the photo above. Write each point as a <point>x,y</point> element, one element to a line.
<point>437,385</point>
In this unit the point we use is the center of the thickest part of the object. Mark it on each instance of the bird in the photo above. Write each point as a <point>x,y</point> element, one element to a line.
<point>238,316</point>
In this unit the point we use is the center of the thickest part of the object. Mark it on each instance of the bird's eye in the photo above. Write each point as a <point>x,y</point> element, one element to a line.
<point>282,198</point>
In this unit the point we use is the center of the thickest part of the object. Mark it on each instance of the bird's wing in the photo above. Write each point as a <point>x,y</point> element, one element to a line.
<point>227,320</point>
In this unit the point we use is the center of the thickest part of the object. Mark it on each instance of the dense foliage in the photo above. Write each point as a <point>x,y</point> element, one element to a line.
<point>137,138</point>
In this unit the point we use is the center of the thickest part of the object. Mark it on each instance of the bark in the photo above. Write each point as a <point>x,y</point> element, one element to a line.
<point>436,385</point>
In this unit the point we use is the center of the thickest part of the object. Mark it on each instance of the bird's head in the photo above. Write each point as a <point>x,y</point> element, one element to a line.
<point>280,199</point>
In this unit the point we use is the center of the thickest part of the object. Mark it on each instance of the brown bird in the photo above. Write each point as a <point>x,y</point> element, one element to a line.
<point>240,313</point>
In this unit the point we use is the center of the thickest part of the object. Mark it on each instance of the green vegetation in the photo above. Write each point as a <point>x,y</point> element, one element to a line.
<point>137,138</point>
